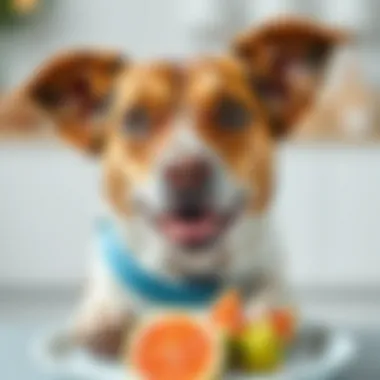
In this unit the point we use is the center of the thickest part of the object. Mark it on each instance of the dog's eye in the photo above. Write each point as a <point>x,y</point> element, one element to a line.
<point>316,55</point>
<point>137,122</point>
<point>232,114</point>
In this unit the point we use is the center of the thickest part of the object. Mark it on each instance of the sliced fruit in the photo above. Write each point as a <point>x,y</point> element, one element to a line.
<point>285,324</point>
<point>228,313</point>
<point>176,347</point>
<point>258,348</point>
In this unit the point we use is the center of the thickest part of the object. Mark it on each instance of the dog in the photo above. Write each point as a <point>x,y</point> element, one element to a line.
<point>187,155</point>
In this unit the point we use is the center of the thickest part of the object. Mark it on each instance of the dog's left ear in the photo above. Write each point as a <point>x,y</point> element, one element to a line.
<point>286,60</point>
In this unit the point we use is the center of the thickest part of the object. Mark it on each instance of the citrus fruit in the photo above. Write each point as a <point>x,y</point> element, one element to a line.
<point>176,347</point>
<point>228,313</point>
<point>285,324</point>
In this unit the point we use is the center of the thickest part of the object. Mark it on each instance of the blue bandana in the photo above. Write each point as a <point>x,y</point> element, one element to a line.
<point>159,290</point>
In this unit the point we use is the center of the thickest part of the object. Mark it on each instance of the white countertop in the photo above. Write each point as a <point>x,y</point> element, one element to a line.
<point>356,307</point>
<point>24,315</point>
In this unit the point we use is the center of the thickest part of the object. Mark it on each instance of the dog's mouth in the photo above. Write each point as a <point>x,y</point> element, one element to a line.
<point>196,227</point>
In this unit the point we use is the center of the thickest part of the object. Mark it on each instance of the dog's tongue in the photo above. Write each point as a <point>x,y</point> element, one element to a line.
<point>191,232</point>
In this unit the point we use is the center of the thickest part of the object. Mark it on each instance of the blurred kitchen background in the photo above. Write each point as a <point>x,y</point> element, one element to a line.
<point>328,204</point>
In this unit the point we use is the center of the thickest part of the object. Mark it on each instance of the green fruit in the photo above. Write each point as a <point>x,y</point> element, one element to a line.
<point>258,348</point>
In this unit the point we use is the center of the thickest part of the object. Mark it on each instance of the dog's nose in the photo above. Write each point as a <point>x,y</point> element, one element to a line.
<point>189,173</point>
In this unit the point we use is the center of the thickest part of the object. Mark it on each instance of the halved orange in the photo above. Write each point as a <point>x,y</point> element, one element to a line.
<point>176,347</point>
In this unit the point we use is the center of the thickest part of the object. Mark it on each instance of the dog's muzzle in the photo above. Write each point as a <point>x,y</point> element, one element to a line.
<point>191,220</point>
<point>189,185</point>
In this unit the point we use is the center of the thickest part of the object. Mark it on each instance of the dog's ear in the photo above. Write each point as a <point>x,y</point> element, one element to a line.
<point>73,89</point>
<point>286,60</point>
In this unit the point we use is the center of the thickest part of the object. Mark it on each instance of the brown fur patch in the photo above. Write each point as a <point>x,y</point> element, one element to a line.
<point>246,151</point>
<point>274,49</point>
<point>298,32</point>
<point>71,88</point>
<point>127,159</point>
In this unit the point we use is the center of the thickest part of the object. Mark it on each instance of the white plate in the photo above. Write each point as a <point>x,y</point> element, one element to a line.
<point>336,351</point>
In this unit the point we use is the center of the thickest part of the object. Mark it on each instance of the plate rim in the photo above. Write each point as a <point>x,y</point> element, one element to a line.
<point>324,368</point>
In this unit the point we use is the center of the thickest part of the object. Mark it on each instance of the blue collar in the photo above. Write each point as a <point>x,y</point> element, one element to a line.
<point>158,290</point>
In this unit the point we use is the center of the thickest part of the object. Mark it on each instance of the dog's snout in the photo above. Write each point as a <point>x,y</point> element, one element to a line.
<point>189,173</point>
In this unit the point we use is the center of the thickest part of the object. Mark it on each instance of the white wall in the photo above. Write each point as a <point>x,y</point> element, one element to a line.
<point>167,28</point>
<point>328,212</point>
<point>146,28</point>
<point>49,201</point>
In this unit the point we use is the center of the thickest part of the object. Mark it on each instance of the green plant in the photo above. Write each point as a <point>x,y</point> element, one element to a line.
<point>9,13</point>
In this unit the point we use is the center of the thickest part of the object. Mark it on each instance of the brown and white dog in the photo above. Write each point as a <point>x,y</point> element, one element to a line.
<point>187,154</point>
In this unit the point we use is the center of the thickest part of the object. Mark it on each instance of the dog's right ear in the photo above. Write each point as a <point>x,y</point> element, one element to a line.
<point>286,59</point>
<point>73,89</point>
